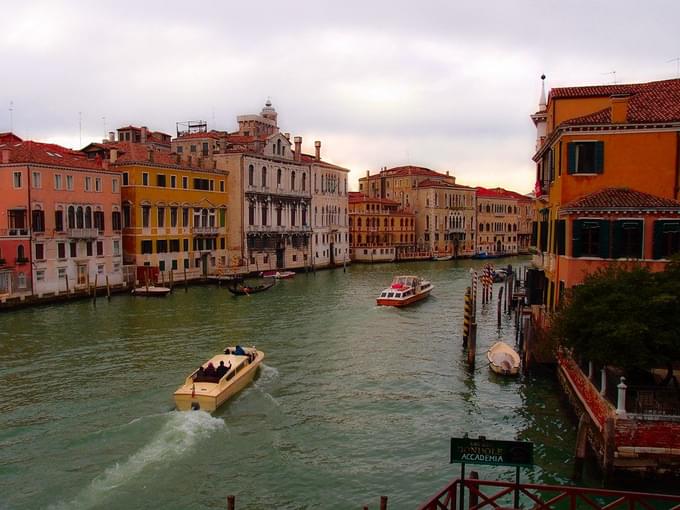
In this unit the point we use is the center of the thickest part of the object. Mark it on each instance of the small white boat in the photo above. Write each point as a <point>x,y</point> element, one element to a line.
<point>151,290</point>
<point>404,291</point>
<point>279,275</point>
<point>206,391</point>
<point>442,257</point>
<point>503,359</point>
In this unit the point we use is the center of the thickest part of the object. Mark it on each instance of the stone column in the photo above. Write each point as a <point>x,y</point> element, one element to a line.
<point>621,400</point>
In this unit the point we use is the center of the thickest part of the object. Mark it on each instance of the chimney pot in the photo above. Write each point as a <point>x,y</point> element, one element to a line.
<point>298,148</point>
<point>113,155</point>
<point>619,105</point>
<point>112,136</point>
<point>317,146</point>
<point>145,131</point>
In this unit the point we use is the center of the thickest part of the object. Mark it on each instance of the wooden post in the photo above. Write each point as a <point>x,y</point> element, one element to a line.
<point>383,502</point>
<point>467,315</point>
<point>499,308</point>
<point>88,280</point>
<point>186,283</point>
<point>231,502</point>
<point>581,446</point>
<point>473,499</point>
<point>472,345</point>
<point>94,290</point>
<point>67,289</point>
<point>146,280</point>
<point>172,279</point>
<point>108,289</point>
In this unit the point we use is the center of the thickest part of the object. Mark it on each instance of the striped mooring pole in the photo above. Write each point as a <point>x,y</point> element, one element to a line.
<point>467,315</point>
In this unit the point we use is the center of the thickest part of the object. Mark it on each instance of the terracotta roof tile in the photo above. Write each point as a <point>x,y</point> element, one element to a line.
<point>620,199</point>
<point>49,154</point>
<point>356,197</point>
<point>407,170</point>
<point>500,193</point>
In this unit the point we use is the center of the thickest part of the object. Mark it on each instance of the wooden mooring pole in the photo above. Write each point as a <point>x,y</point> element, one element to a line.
<point>467,315</point>
<point>94,290</point>
<point>383,502</point>
<point>186,283</point>
<point>472,345</point>
<point>231,502</point>
<point>108,288</point>
<point>499,309</point>
<point>171,280</point>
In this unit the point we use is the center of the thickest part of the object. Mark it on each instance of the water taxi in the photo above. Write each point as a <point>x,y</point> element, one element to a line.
<point>503,359</point>
<point>404,291</point>
<point>151,290</point>
<point>206,391</point>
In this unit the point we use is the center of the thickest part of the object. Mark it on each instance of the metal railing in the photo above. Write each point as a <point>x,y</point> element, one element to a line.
<point>205,231</point>
<point>12,232</point>
<point>500,494</point>
<point>82,233</point>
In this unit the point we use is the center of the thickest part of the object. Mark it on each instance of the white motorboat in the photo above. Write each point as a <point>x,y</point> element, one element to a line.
<point>503,359</point>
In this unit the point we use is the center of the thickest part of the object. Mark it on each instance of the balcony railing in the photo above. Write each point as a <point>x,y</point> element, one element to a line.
<point>82,233</point>
<point>205,231</point>
<point>14,232</point>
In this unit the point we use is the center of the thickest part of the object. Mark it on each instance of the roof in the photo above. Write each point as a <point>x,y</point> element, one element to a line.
<point>49,154</point>
<point>407,170</point>
<point>205,134</point>
<point>620,199</point>
<point>308,158</point>
<point>657,101</point>
<point>131,152</point>
<point>356,197</point>
<point>9,138</point>
<point>440,183</point>
<point>500,193</point>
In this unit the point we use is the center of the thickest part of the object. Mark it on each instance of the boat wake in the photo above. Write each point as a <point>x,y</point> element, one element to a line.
<point>181,432</point>
<point>267,376</point>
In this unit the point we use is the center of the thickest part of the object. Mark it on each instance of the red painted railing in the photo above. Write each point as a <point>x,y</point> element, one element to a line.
<point>498,494</point>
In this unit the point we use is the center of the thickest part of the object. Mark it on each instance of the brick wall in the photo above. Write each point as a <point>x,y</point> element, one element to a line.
<point>591,399</point>
<point>650,433</point>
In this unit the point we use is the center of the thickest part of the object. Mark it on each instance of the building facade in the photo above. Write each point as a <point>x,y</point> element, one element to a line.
<point>67,231</point>
<point>503,221</point>
<point>381,230</point>
<point>607,184</point>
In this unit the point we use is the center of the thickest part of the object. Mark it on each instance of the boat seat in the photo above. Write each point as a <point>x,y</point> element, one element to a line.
<point>207,378</point>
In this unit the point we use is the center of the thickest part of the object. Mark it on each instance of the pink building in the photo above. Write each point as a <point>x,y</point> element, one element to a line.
<point>68,208</point>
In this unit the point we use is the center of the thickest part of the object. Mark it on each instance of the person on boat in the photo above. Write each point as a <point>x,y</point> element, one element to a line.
<point>223,369</point>
<point>200,373</point>
<point>210,370</point>
<point>238,351</point>
<point>227,351</point>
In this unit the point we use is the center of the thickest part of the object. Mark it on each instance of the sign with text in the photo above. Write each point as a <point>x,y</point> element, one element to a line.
<point>491,452</point>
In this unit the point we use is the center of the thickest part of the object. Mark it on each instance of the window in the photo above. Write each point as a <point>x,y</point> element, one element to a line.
<point>57,181</point>
<point>145,179</point>
<point>115,220</point>
<point>88,183</point>
<point>278,216</point>
<point>161,217</point>
<point>147,247</point>
<point>185,245</point>
<point>185,217</point>
<point>161,246</point>
<point>39,251</point>
<point>116,248</point>
<point>666,238</point>
<point>627,239</point>
<point>304,182</point>
<point>61,250</point>
<point>173,181</point>
<point>100,248</point>
<point>126,178</point>
<point>114,185</point>
<point>88,246</point>
<point>38,220</point>
<point>205,148</point>
<point>174,264</point>
<point>146,212</point>
<point>292,181</point>
<point>59,221</point>
<point>37,179</point>
<point>251,175</point>
<point>185,182</point>
<point>173,217</point>
<point>73,249</point>
<point>278,177</point>
<point>160,180</point>
<point>69,182</point>
<point>98,184</point>
<point>585,157</point>
<point>127,215</point>
<point>100,268</point>
<point>99,220</point>
<point>192,148</point>
<point>202,184</point>
<point>590,238</point>
<point>222,186</point>
<point>251,214</point>
<point>174,245</point>
<point>16,179</point>
<point>264,176</point>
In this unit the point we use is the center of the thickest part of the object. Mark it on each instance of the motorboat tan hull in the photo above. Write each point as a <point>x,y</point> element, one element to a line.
<point>208,396</point>
<point>503,359</point>
<point>404,301</point>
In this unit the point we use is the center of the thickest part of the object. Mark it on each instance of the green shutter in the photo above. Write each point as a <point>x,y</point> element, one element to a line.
<point>617,247</point>
<point>571,157</point>
<point>560,234</point>
<point>604,238</point>
<point>599,157</point>
<point>576,238</point>
<point>658,239</point>
<point>222,217</point>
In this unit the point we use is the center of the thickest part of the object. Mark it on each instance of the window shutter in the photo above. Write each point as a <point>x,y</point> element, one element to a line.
<point>658,239</point>
<point>617,247</point>
<point>576,238</point>
<point>561,233</point>
<point>604,238</point>
<point>599,157</point>
<point>571,157</point>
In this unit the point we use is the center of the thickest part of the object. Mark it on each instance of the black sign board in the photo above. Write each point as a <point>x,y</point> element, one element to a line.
<point>491,452</point>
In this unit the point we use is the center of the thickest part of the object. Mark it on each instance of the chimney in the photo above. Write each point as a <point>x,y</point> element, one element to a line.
<point>317,146</point>
<point>447,173</point>
<point>145,132</point>
<point>298,148</point>
<point>149,154</point>
<point>5,156</point>
<point>368,173</point>
<point>113,155</point>
<point>112,136</point>
<point>619,108</point>
<point>287,135</point>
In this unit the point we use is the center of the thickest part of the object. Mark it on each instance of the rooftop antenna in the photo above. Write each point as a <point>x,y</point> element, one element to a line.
<point>613,73</point>
<point>11,116</point>
<point>80,129</point>
<point>677,65</point>
<point>213,117</point>
<point>104,121</point>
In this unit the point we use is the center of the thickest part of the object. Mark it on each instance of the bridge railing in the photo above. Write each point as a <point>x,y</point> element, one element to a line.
<point>482,494</point>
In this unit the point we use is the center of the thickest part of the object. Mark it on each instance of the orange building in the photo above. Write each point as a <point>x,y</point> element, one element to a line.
<point>380,229</point>
<point>608,181</point>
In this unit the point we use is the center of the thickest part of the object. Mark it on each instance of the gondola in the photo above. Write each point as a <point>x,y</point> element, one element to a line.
<point>246,290</point>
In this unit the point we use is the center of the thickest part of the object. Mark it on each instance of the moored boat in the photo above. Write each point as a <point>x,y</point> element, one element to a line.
<point>151,291</point>
<point>503,359</point>
<point>405,290</point>
<point>279,275</point>
<point>242,289</point>
<point>206,392</point>
<point>440,258</point>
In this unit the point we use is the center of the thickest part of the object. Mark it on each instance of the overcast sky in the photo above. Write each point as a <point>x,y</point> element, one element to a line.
<point>443,84</point>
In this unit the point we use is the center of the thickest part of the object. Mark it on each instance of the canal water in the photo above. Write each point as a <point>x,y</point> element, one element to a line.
<point>354,401</point>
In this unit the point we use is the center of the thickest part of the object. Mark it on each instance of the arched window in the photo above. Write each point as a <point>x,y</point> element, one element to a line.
<point>278,177</point>
<point>304,182</point>
<point>251,175</point>
<point>481,227</point>
<point>488,208</point>
<point>88,217</point>
<point>264,175</point>
<point>71,217</point>
<point>79,217</point>
<point>292,180</point>
<point>278,146</point>
<point>358,222</point>
<point>21,252</point>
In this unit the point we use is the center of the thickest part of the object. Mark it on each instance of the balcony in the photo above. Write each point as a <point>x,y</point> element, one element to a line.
<point>205,231</point>
<point>14,232</point>
<point>82,233</point>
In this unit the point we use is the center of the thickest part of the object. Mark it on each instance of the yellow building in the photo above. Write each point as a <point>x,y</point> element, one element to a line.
<point>174,211</point>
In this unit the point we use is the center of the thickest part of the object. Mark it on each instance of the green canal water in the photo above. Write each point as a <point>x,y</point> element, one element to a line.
<point>354,401</point>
